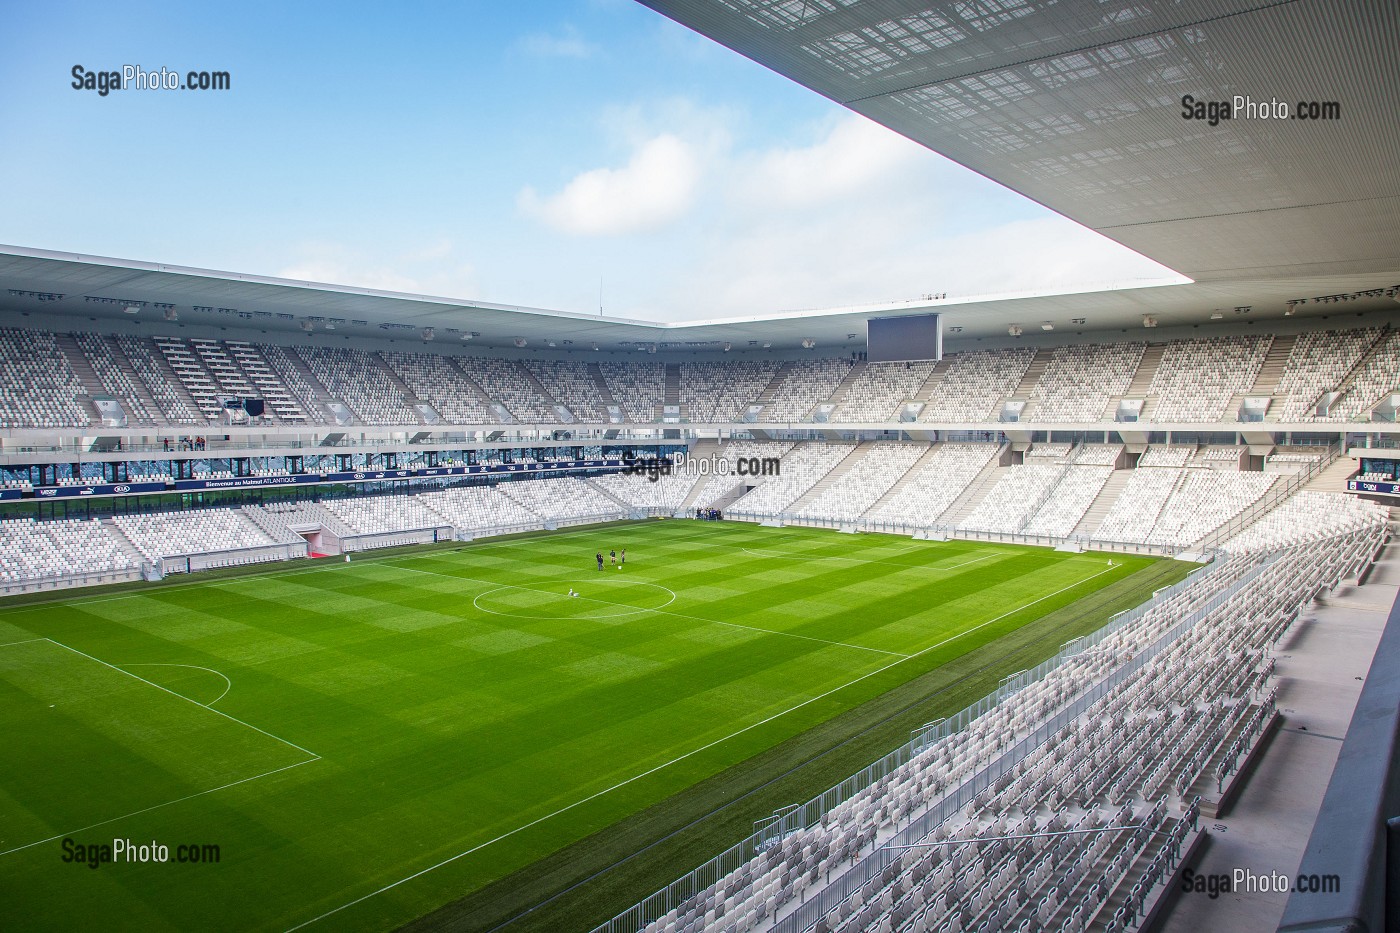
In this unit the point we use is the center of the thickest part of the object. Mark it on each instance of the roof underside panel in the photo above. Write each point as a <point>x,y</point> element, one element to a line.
<point>1078,105</point>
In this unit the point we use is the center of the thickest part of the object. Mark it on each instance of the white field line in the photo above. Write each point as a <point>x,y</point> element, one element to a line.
<point>322,565</point>
<point>867,560</point>
<point>679,758</point>
<point>228,684</point>
<point>217,712</point>
<point>638,609</point>
<point>168,803</point>
<point>314,756</point>
<point>24,642</point>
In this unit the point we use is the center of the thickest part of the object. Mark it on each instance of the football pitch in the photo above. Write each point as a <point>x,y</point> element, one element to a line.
<point>368,742</point>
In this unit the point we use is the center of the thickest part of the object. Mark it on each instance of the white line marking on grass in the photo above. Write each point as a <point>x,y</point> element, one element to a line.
<point>314,756</point>
<point>867,560</point>
<point>217,712</point>
<point>168,803</point>
<point>193,667</point>
<point>679,758</point>
<point>25,642</point>
<point>631,610</point>
<point>172,587</point>
<point>320,566</point>
<point>668,612</point>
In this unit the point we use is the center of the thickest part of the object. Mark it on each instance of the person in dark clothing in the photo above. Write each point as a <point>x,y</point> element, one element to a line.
<point>600,560</point>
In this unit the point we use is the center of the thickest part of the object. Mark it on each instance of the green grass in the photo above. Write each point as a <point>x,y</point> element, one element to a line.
<point>337,728</point>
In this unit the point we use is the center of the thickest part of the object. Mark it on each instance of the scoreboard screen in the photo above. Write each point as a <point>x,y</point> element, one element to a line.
<point>899,339</point>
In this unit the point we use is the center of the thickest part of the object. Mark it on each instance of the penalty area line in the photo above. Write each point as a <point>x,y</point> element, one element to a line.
<point>637,777</point>
<point>217,712</point>
<point>168,803</point>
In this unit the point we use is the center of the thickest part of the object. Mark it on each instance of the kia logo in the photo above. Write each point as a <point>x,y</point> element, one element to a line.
<point>122,488</point>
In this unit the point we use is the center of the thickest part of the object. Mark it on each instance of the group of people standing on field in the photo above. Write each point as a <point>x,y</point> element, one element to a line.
<point>615,561</point>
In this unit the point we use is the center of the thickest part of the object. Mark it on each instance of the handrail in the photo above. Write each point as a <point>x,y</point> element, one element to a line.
<point>809,813</point>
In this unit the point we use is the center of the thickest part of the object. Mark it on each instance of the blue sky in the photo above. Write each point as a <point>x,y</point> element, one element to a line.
<point>520,153</point>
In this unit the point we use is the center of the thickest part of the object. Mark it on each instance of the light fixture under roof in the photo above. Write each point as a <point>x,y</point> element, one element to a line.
<point>132,309</point>
<point>428,333</point>
<point>1014,330</point>
<point>520,341</point>
<point>808,343</point>
<point>1218,315</point>
<point>307,326</point>
<point>330,325</point>
<point>171,314</point>
<point>1047,325</point>
<point>550,343</point>
<point>1077,320</point>
<point>726,347</point>
<point>1149,321</point>
<point>767,344</point>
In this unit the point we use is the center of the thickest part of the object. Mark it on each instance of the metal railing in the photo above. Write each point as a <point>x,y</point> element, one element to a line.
<point>919,827</point>
<point>806,815</point>
<point>350,544</point>
<point>937,531</point>
<point>231,557</point>
<point>68,580</point>
<point>1275,497</point>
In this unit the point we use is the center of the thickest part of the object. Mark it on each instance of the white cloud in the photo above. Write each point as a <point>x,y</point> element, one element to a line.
<point>656,187</point>
<point>855,155</point>
<point>568,44</point>
<point>882,252</point>
<point>427,270</point>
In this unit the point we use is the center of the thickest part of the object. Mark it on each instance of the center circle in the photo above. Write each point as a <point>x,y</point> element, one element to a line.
<point>598,599</point>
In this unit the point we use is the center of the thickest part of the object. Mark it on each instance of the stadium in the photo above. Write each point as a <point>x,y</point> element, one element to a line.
<point>328,607</point>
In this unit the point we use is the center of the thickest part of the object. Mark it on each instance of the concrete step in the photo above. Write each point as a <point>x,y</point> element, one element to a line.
<point>1034,371</point>
<point>154,413</point>
<point>1272,367</point>
<point>934,378</point>
<point>596,373</point>
<point>857,453</point>
<point>770,390</point>
<point>536,385</point>
<point>1099,508</point>
<point>981,484</point>
<point>481,393</point>
<point>1147,369</point>
<point>906,479</point>
<point>1334,476</point>
<point>167,372</point>
<point>125,543</point>
<point>409,396</point>
<point>844,386</point>
<point>672,391</point>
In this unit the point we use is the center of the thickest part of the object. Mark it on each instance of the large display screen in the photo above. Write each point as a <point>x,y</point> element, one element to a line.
<point>897,339</point>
